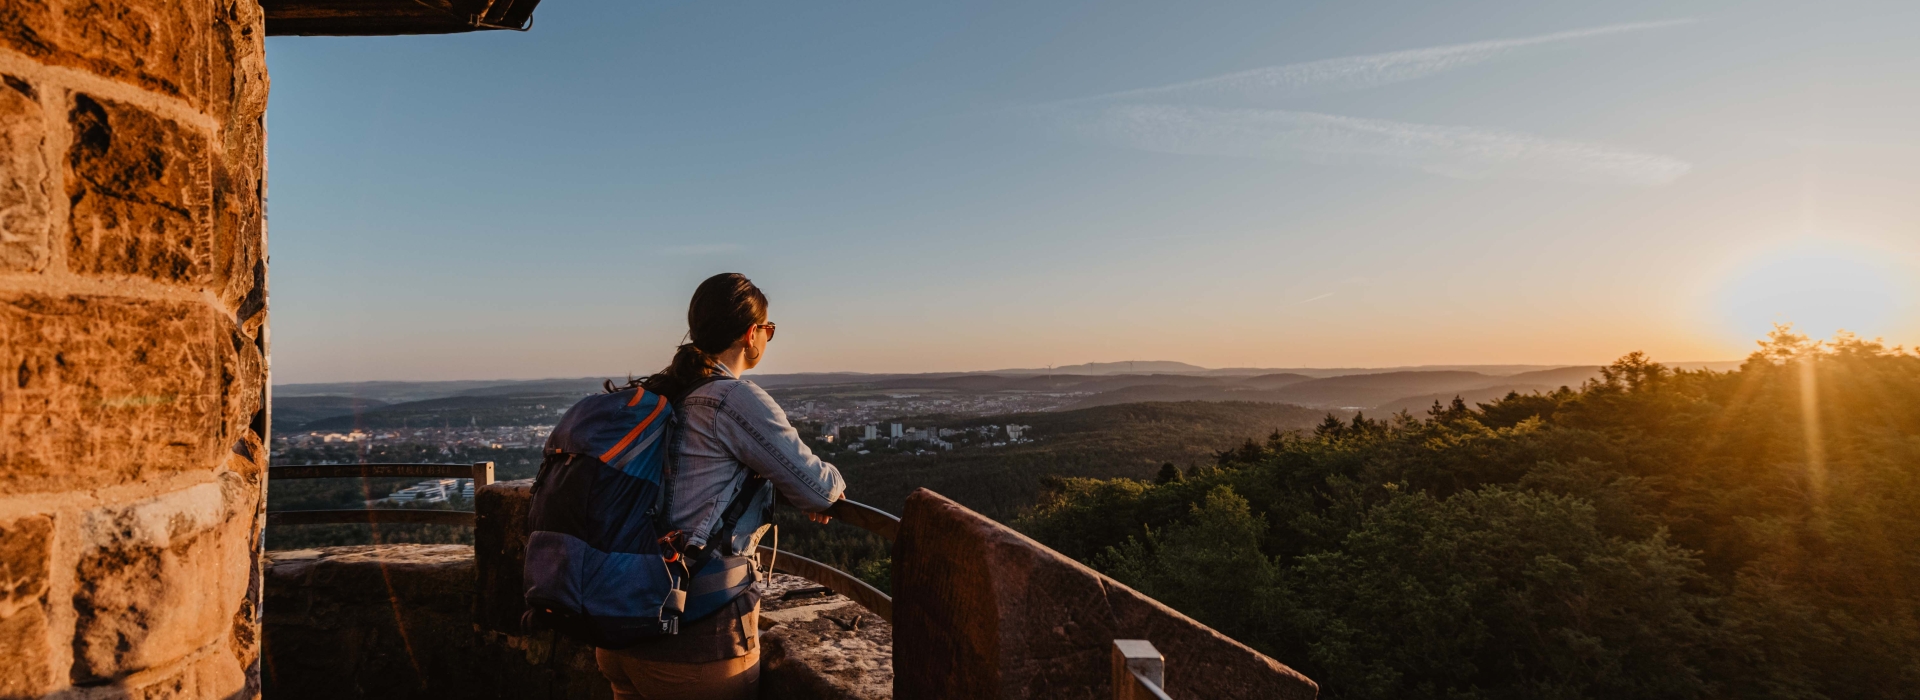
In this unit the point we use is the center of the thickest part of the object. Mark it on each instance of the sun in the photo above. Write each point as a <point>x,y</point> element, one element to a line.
<point>1818,286</point>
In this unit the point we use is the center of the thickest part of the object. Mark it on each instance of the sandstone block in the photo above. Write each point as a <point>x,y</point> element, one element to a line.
<point>140,190</point>
<point>211,676</point>
<point>500,551</point>
<point>25,548</point>
<point>159,45</point>
<point>237,65</point>
<point>821,648</point>
<point>28,26</point>
<point>102,390</point>
<point>238,266</point>
<point>159,579</point>
<point>981,611</point>
<point>25,192</point>
<point>383,621</point>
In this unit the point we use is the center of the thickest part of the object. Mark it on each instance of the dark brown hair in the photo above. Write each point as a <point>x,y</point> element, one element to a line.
<point>723,308</point>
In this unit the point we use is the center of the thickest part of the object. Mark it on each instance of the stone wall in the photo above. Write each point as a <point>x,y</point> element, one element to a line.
<point>132,347</point>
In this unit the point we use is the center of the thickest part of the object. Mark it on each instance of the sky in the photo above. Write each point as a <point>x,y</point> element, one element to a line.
<point>971,186</point>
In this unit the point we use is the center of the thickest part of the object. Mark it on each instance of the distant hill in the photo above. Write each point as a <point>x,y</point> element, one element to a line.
<point>1369,390</point>
<point>396,392</point>
<point>1169,392</point>
<point>1273,381</point>
<point>1129,367</point>
<point>290,412</point>
<point>1418,405</point>
<point>452,411</point>
<point>546,387</point>
<point>1571,377</point>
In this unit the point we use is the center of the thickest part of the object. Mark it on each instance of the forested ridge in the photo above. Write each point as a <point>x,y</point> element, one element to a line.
<point>1653,534</point>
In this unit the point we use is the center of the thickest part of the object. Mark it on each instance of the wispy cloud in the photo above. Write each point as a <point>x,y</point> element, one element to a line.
<point>1310,300</point>
<point>1227,116</point>
<point>1361,72</point>
<point>701,249</point>
<point>1451,151</point>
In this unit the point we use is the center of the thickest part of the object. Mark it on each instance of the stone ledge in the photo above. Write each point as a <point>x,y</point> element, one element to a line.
<point>821,647</point>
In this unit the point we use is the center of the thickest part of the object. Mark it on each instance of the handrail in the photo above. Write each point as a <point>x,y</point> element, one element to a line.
<point>865,517</point>
<point>369,516</point>
<point>859,515</point>
<point>841,582</point>
<point>480,472</point>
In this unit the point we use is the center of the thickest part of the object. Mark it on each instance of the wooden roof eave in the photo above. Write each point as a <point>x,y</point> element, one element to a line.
<point>394,17</point>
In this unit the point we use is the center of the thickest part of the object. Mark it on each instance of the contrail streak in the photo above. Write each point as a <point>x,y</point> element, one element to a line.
<point>1360,72</point>
<point>1451,151</point>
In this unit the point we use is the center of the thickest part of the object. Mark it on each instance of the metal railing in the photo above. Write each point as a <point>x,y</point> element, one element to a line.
<point>1139,671</point>
<point>859,515</point>
<point>480,472</point>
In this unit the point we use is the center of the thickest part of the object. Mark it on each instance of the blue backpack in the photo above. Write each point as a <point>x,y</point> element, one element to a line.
<point>601,567</point>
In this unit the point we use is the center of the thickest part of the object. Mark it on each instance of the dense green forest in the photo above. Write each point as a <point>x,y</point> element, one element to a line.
<point>1132,440</point>
<point>1654,534</point>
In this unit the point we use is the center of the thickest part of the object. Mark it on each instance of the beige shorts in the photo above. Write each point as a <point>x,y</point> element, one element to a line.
<point>638,679</point>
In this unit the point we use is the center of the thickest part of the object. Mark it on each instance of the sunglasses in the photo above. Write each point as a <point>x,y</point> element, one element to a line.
<point>770,329</point>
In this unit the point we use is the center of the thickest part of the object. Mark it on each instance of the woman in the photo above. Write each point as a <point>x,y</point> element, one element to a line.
<point>729,431</point>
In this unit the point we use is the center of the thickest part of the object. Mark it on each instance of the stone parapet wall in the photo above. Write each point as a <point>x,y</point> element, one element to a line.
<point>981,611</point>
<point>132,347</point>
<point>396,622</point>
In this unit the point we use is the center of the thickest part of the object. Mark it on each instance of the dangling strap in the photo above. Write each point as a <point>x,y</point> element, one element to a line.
<point>720,543</point>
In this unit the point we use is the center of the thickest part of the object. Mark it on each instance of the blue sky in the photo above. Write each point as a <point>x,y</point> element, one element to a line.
<point>985,185</point>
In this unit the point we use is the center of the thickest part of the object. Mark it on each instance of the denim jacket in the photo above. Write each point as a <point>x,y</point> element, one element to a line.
<point>726,428</point>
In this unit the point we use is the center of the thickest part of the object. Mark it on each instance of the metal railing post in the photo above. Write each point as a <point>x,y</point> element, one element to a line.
<point>482,474</point>
<point>1139,672</point>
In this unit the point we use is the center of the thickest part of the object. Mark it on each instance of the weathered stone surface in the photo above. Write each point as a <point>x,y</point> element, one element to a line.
<point>821,647</point>
<point>26,197</point>
<point>386,621</point>
<point>158,45</point>
<point>500,549</point>
<point>981,611</point>
<point>25,551</point>
<point>395,621</point>
<point>237,65</point>
<point>239,270</point>
<point>211,676</point>
<point>160,579</point>
<point>238,86</point>
<point>103,390</point>
<point>28,26</point>
<point>140,193</point>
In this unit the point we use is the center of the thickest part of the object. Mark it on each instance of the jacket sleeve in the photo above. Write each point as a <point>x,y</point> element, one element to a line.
<point>757,432</point>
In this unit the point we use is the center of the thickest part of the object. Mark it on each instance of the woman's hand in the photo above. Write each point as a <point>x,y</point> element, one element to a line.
<point>823,518</point>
